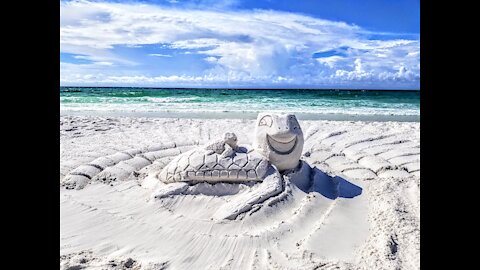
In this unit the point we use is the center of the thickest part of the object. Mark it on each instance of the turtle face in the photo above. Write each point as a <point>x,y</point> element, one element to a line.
<point>279,138</point>
<point>230,138</point>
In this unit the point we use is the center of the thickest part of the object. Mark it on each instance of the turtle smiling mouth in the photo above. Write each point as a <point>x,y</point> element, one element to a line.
<point>282,147</point>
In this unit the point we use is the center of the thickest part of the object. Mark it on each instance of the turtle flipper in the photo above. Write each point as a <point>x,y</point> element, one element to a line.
<point>170,190</point>
<point>271,186</point>
<point>228,152</point>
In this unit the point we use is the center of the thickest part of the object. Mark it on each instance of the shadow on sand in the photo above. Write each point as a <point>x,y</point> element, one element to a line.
<point>333,187</point>
<point>328,186</point>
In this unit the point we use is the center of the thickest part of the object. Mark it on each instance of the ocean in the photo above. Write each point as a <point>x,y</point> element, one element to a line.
<point>307,104</point>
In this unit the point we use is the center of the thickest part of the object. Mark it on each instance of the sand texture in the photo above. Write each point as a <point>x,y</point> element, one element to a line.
<point>359,210</point>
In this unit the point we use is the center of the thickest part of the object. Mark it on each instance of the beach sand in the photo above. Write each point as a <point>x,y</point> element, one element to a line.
<point>116,225</point>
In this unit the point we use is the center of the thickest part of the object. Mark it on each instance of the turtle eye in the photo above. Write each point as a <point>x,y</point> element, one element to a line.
<point>266,121</point>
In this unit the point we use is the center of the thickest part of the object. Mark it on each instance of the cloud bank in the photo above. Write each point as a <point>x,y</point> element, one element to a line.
<point>262,48</point>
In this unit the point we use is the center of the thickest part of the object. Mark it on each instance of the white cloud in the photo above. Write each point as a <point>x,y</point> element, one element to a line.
<point>160,55</point>
<point>243,46</point>
<point>81,57</point>
<point>103,63</point>
<point>211,59</point>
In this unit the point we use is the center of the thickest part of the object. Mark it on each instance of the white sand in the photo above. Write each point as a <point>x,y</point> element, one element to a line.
<point>117,226</point>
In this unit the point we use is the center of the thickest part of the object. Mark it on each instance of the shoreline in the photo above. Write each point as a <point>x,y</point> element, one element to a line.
<point>244,115</point>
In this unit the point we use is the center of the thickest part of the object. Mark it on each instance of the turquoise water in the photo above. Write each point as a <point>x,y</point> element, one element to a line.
<point>314,104</point>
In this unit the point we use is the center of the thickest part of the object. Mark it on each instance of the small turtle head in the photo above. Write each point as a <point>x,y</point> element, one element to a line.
<point>230,139</point>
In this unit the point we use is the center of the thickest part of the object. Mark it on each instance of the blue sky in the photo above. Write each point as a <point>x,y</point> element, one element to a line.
<point>232,43</point>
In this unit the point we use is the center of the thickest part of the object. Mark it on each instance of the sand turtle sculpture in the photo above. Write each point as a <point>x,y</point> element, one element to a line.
<point>276,150</point>
<point>273,157</point>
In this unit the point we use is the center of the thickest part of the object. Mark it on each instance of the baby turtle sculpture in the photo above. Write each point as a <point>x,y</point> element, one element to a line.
<point>274,155</point>
<point>276,149</point>
<point>226,146</point>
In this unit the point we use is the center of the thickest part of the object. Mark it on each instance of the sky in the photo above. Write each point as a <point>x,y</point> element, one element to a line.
<point>341,44</point>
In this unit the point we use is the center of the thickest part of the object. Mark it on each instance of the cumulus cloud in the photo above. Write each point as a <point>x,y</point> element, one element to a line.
<point>241,47</point>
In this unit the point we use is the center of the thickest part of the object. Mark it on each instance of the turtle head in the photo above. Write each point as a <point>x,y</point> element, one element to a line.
<point>280,139</point>
<point>230,138</point>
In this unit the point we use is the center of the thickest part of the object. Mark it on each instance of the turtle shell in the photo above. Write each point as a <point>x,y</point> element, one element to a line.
<point>198,165</point>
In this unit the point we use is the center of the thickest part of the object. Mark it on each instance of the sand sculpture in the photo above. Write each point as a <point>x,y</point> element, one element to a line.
<point>276,149</point>
<point>278,144</point>
<point>275,152</point>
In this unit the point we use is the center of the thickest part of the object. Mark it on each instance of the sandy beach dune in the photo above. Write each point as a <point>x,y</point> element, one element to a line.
<point>363,211</point>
